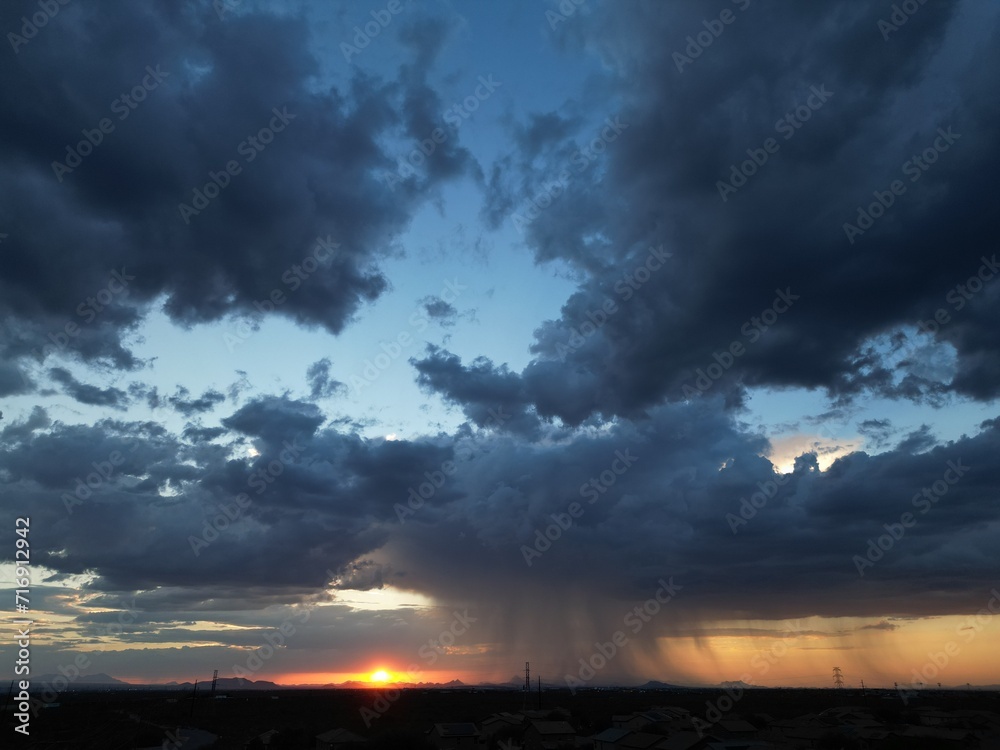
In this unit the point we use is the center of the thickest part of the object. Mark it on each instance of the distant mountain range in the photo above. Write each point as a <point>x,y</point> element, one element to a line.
<point>102,681</point>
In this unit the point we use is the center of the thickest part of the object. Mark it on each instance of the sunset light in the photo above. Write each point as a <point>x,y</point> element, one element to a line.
<point>380,676</point>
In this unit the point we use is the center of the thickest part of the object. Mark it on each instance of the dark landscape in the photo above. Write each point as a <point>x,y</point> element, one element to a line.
<point>115,719</point>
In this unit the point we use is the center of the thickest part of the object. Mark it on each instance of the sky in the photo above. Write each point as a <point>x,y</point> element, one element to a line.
<point>637,340</point>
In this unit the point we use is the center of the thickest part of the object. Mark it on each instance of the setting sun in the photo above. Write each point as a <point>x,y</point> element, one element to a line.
<point>380,676</point>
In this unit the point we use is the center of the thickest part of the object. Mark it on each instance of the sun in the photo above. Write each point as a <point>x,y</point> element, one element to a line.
<point>379,676</point>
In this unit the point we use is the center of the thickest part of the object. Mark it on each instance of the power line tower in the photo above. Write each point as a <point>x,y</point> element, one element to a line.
<point>527,684</point>
<point>838,677</point>
<point>215,679</point>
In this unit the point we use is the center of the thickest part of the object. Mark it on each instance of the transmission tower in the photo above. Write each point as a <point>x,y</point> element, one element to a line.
<point>215,679</point>
<point>838,677</point>
<point>527,686</point>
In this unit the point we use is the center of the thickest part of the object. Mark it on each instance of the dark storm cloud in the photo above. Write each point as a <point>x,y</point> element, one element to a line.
<point>13,380</point>
<point>483,390</point>
<point>38,419</point>
<point>275,418</point>
<point>439,310</point>
<point>451,517</point>
<point>876,431</point>
<point>188,407</point>
<point>917,441</point>
<point>202,434</point>
<point>657,184</point>
<point>674,512</point>
<point>196,89</point>
<point>86,393</point>
<point>125,500</point>
<point>320,383</point>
